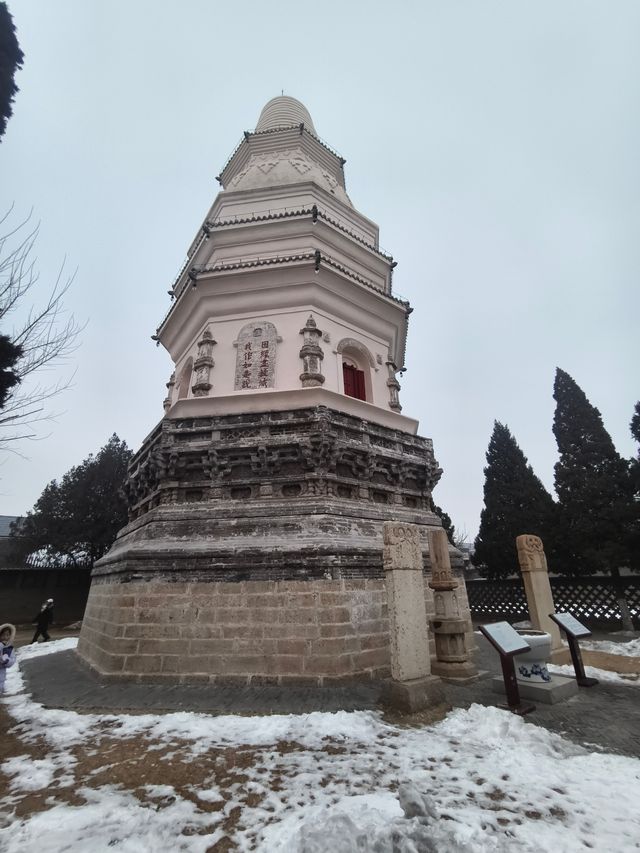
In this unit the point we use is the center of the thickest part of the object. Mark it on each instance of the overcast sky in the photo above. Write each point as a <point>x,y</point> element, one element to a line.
<point>495,143</point>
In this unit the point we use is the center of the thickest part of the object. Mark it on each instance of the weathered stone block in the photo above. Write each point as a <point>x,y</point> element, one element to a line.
<point>413,696</point>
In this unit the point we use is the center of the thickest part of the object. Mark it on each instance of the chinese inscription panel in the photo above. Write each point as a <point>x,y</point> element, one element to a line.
<point>256,356</point>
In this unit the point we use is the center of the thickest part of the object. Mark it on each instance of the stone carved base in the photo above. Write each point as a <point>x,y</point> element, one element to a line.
<point>560,688</point>
<point>463,672</point>
<point>412,696</point>
<point>225,512</point>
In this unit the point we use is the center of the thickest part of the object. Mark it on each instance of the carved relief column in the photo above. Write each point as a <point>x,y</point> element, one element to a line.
<point>393,386</point>
<point>166,403</point>
<point>535,577</point>
<point>203,364</point>
<point>411,687</point>
<point>311,355</point>
<point>452,657</point>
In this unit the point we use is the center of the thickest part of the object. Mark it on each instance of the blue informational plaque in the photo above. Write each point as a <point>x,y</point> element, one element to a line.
<point>505,638</point>
<point>570,625</point>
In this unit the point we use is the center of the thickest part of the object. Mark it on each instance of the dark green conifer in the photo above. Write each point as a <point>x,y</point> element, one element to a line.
<point>515,502</point>
<point>593,484</point>
<point>80,515</point>
<point>11,58</point>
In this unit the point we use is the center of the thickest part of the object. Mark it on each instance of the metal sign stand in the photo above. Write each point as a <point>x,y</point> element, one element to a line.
<point>500,636</point>
<point>574,629</point>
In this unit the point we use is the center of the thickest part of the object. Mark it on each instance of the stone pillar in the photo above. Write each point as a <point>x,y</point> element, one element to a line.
<point>411,687</point>
<point>535,576</point>
<point>452,658</point>
<point>166,403</point>
<point>394,387</point>
<point>311,354</point>
<point>202,365</point>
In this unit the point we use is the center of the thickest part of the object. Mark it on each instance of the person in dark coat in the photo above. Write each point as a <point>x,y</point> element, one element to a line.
<point>43,620</point>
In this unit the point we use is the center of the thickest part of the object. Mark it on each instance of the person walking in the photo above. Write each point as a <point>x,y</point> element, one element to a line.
<point>7,652</point>
<point>43,621</point>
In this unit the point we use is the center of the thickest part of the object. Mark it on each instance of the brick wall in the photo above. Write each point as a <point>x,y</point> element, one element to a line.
<point>281,632</point>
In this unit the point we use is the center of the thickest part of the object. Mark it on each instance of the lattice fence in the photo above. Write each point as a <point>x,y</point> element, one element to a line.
<point>593,601</point>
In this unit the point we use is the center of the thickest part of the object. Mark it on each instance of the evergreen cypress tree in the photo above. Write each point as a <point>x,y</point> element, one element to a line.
<point>447,524</point>
<point>11,58</point>
<point>515,502</point>
<point>593,484</point>
<point>634,426</point>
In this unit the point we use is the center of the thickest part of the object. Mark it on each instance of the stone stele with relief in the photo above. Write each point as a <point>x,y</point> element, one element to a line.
<point>254,547</point>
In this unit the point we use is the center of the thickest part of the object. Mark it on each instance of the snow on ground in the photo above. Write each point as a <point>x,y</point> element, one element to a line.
<point>481,780</point>
<point>627,648</point>
<point>594,672</point>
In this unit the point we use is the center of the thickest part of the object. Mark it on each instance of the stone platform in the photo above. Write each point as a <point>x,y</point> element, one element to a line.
<point>560,687</point>
<point>254,550</point>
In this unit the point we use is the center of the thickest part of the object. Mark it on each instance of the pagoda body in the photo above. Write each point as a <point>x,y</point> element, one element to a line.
<point>254,546</point>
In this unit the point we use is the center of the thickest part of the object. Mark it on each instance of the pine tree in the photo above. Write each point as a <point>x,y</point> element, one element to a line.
<point>515,502</point>
<point>593,484</point>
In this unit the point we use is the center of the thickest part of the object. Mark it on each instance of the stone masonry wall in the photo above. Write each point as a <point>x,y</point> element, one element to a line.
<point>282,632</point>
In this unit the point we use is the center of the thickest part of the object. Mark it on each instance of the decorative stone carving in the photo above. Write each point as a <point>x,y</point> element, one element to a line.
<point>401,547</point>
<point>166,403</point>
<point>311,355</point>
<point>452,658</point>
<point>342,454</point>
<point>531,554</point>
<point>202,365</point>
<point>256,356</point>
<point>535,577</point>
<point>394,387</point>
<point>356,346</point>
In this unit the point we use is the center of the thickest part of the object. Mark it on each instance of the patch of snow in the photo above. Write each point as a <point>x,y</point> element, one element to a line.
<point>594,672</point>
<point>28,774</point>
<point>112,819</point>
<point>630,648</point>
<point>482,780</point>
<point>36,650</point>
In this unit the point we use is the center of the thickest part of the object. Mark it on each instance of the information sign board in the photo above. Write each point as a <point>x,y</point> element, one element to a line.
<point>570,625</point>
<point>505,638</point>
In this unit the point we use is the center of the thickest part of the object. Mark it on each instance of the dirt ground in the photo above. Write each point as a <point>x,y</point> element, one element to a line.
<point>133,764</point>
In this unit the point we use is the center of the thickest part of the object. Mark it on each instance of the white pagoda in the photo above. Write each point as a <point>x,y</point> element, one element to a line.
<point>257,503</point>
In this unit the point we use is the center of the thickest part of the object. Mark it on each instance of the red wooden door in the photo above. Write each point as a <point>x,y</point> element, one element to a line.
<point>353,382</point>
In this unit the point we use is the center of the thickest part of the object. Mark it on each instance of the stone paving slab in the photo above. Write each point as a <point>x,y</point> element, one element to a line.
<point>604,717</point>
<point>62,680</point>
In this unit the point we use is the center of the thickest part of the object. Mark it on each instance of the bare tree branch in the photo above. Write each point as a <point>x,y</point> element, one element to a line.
<point>47,335</point>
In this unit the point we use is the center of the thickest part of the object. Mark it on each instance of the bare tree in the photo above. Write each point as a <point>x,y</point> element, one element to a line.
<point>45,335</point>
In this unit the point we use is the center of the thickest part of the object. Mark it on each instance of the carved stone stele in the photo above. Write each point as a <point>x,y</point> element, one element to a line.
<point>412,687</point>
<point>535,577</point>
<point>531,554</point>
<point>401,547</point>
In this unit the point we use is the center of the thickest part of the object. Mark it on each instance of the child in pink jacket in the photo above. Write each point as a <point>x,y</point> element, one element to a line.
<point>7,652</point>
